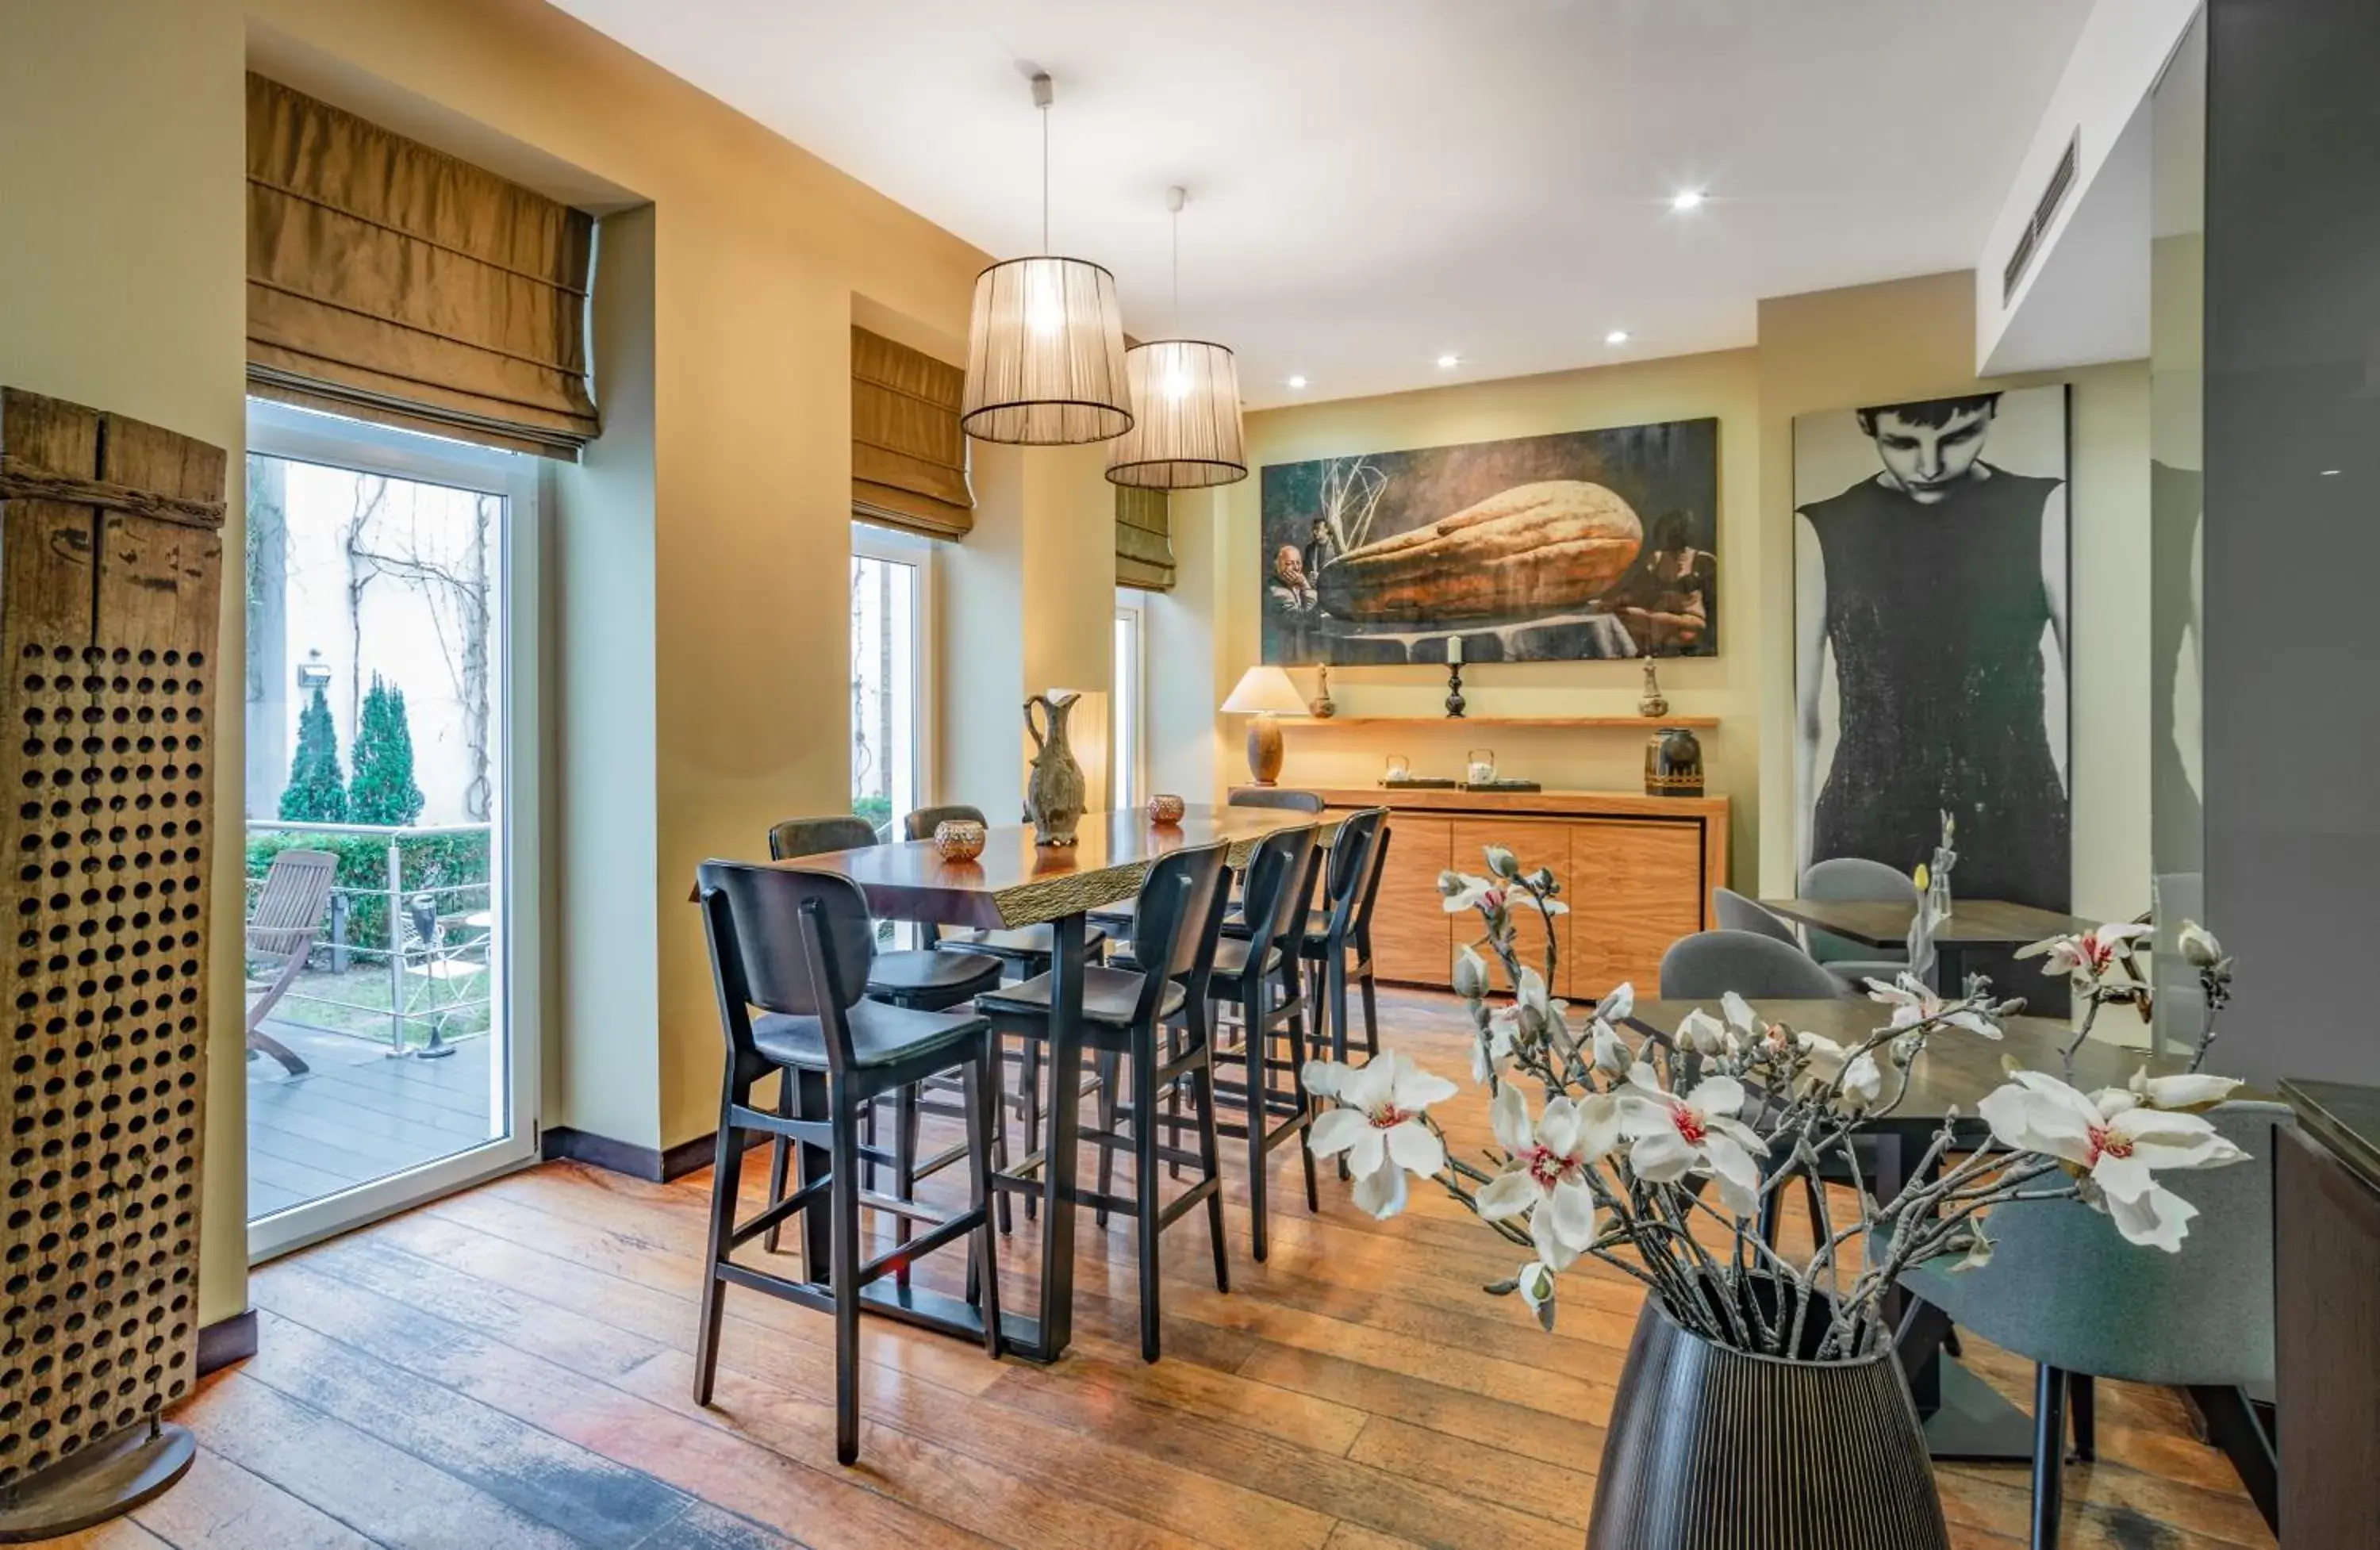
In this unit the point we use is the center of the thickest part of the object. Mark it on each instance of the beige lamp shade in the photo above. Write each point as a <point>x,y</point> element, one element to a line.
<point>1265,688</point>
<point>1045,354</point>
<point>1186,430</point>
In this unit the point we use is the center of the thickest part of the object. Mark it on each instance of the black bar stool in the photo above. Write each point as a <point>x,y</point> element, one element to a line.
<point>1124,1013</point>
<point>919,978</point>
<point>1025,951</point>
<point>1277,896</point>
<point>1344,923</point>
<point>799,946</point>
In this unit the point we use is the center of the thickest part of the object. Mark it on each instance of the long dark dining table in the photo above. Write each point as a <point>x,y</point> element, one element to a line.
<point>1016,883</point>
<point>1964,1417</point>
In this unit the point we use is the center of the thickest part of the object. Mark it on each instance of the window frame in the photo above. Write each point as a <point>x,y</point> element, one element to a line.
<point>870,541</point>
<point>1128,768</point>
<point>517,861</point>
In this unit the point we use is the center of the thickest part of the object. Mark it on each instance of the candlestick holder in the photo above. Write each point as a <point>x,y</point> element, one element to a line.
<point>1454,689</point>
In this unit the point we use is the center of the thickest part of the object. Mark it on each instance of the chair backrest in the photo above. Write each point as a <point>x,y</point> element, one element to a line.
<point>1275,796</point>
<point>785,941</point>
<point>290,901</point>
<point>1278,892</point>
<point>1352,877</point>
<point>921,824</point>
<point>799,837</point>
<point>1858,878</point>
<point>2064,1287</point>
<point>1736,913</point>
<point>1178,915</point>
<point>1710,963</point>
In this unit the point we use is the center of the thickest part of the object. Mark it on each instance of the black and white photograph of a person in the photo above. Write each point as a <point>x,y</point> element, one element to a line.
<point>1930,618</point>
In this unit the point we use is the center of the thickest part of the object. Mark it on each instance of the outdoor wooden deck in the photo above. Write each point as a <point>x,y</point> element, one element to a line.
<point>357,1115</point>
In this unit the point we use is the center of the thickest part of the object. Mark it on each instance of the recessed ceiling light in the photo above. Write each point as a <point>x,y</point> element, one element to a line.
<point>1448,363</point>
<point>1617,336</point>
<point>1686,199</point>
<point>1297,382</point>
<point>2331,473</point>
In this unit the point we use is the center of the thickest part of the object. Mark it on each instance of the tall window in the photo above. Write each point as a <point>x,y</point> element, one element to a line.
<point>1129,779</point>
<point>389,576</point>
<point>891,575</point>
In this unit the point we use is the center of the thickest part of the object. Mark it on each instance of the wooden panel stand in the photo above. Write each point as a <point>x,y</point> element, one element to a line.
<point>111,555</point>
<point>1637,872</point>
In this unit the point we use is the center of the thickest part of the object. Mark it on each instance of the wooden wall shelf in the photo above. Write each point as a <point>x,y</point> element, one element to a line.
<point>1583,723</point>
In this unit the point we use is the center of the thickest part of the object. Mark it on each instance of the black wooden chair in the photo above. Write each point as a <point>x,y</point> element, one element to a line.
<point>799,946</point>
<point>1026,953</point>
<point>920,979</point>
<point>1343,926</point>
<point>1287,797</point>
<point>1123,1013</point>
<point>1277,894</point>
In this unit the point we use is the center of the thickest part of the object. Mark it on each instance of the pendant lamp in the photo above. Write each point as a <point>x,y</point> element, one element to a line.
<point>1045,346</point>
<point>1186,402</point>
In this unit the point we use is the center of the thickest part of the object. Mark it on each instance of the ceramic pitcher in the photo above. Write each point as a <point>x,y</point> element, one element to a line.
<point>1054,791</point>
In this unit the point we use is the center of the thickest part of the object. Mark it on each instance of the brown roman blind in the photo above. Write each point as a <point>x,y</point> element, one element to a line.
<point>393,283</point>
<point>1144,539</point>
<point>908,456</point>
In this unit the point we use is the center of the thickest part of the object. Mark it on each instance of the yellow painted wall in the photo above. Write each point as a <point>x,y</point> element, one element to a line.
<point>1728,685</point>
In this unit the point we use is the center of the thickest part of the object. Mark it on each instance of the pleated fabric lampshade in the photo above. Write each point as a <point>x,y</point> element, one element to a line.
<point>1186,432</point>
<point>1045,354</point>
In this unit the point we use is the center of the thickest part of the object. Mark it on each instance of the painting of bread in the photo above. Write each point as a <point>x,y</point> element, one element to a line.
<point>1574,546</point>
<point>1548,548</point>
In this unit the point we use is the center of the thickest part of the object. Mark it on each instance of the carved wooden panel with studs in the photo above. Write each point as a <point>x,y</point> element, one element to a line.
<point>111,554</point>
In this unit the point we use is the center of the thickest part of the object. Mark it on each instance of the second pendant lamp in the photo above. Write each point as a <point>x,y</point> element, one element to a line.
<point>1045,344</point>
<point>1185,399</point>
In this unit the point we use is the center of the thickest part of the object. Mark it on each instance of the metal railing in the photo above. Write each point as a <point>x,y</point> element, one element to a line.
<point>434,955</point>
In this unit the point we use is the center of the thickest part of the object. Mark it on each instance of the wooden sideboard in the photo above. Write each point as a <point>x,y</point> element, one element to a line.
<point>1637,872</point>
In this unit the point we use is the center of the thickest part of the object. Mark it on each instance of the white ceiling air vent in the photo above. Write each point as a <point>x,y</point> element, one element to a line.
<point>2044,210</point>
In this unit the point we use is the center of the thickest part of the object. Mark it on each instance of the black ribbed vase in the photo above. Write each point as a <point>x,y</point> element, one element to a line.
<point>1711,1449</point>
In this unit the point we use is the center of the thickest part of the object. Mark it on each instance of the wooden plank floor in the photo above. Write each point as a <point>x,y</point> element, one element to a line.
<point>510,1367</point>
<point>357,1115</point>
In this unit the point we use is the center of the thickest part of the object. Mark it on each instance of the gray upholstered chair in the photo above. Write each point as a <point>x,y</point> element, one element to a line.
<point>1856,877</point>
<point>2066,1292</point>
<point>1736,913</point>
<point>1705,965</point>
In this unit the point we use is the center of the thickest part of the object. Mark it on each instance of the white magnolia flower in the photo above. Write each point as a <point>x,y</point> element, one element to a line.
<point>1912,1002</point>
<point>1492,1051</point>
<point>1550,1159</point>
<point>1613,1056</point>
<point>1706,1035</point>
<point>1460,891</point>
<point>2200,948</point>
<point>1470,973</point>
<point>1674,1136</point>
<point>1620,1003</point>
<point>2187,1090</point>
<point>2121,1153</point>
<point>1863,1079</point>
<point>1535,1284</point>
<point>2100,959</point>
<point>1379,1127</point>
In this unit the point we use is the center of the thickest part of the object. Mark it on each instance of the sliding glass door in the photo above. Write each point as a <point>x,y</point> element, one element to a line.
<point>890,602</point>
<point>391,623</point>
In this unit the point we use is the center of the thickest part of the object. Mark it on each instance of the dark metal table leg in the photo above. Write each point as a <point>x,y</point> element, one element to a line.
<point>1059,1129</point>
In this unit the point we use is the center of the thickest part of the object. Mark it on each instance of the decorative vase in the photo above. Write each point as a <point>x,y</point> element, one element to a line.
<point>1054,791</point>
<point>1652,704</point>
<point>1710,1448</point>
<point>959,839</point>
<point>1673,763</point>
<point>1166,808</point>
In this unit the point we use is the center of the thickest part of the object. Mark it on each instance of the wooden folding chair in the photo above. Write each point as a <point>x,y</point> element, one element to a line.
<point>287,919</point>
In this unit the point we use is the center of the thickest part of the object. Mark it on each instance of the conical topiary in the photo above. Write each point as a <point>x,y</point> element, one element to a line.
<point>382,790</point>
<point>317,791</point>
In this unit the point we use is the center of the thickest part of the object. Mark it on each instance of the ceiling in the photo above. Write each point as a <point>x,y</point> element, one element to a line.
<point>1374,183</point>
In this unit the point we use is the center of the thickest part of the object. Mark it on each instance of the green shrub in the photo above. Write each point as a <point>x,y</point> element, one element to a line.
<point>383,790</point>
<point>317,793</point>
<point>429,861</point>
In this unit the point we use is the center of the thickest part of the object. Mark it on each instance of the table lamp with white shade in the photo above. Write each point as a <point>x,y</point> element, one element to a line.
<point>1264,693</point>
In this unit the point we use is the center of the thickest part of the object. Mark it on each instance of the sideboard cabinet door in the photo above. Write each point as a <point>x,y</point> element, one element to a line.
<point>1413,938</point>
<point>1634,889</point>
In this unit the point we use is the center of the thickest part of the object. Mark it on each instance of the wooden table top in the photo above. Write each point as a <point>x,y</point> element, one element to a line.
<point>1958,1068</point>
<point>1972,922</point>
<point>1016,882</point>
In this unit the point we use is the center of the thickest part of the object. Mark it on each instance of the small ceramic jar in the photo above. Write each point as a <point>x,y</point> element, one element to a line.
<point>959,839</point>
<point>1165,807</point>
